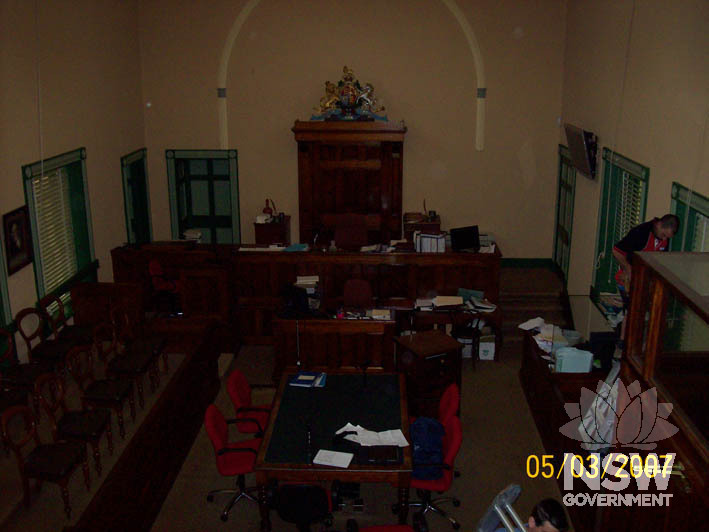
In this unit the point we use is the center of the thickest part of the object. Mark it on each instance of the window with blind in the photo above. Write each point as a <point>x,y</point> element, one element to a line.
<point>684,328</point>
<point>623,202</point>
<point>56,194</point>
<point>693,212</point>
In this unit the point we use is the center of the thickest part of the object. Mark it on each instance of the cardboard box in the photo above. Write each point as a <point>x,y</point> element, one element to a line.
<point>487,347</point>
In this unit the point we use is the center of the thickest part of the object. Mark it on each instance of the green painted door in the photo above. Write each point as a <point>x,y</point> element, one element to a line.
<point>136,198</point>
<point>566,192</point>
<point>204,194</point>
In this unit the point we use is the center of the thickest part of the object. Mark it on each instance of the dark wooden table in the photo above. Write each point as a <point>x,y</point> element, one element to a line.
<point>284,454</point>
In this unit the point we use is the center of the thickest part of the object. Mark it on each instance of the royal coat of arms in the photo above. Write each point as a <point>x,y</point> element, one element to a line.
<point>348,100</point>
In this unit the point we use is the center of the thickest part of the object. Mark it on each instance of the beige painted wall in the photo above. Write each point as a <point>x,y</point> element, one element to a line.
<point>87,57</point>
<point>101,64</point>
<point>658,120</point>
<point>417,57</point>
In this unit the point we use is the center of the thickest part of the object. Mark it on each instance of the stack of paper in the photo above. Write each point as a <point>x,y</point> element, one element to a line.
<point>333,458</point>
<point>381,314</point>
<point>369,438</point>
<point>424,303</point>
<point>308,282</point>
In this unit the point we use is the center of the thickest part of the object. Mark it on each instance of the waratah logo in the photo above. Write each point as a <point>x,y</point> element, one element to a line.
<point>618,417</point>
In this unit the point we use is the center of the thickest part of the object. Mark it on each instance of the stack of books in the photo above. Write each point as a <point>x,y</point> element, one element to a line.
<point>480,305</point>
<point>308,282</point>
<point>308,379</point>
<point>429,243</point>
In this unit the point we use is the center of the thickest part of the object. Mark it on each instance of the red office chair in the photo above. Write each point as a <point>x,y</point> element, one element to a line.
<point>352,526</point>
<point>249,419</point>
<point>233,458</point>
<point>424,488</point>
<point>165,291</point>
<point>358,294</point>
<point>449,403</point>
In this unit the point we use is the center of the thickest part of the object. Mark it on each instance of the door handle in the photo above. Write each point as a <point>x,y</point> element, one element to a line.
<point>601,256</point>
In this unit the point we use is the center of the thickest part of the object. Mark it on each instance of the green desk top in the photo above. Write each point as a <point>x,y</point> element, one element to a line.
<point>345,398</point>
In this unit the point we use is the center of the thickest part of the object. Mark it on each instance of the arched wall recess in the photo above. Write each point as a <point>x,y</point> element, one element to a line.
<point>450,4</point>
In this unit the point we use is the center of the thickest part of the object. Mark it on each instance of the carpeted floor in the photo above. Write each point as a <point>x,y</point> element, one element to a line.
<point>498,436</point>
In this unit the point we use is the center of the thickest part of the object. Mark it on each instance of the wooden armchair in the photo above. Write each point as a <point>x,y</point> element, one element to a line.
<point>50,462</point>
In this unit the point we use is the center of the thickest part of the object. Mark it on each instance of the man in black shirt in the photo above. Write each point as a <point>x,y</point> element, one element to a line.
<point>649,236</point>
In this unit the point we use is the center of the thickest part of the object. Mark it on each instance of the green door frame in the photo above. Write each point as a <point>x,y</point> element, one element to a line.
<point>129,201</point>
<point>180,203</point>
<point>565,197</point>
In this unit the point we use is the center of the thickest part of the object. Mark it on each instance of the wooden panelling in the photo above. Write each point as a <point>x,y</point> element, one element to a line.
<point>333,344</point>
<point>353,167</point>
<point>255,281</point>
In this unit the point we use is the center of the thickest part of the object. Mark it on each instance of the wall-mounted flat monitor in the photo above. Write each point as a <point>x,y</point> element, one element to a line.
<point>583,146</point>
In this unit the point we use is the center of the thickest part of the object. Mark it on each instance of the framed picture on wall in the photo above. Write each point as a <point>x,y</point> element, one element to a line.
<point>18,239</point>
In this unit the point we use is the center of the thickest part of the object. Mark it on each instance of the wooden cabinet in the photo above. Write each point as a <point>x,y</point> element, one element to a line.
<point>423,224</point>
<point>273,232</point>
<point>547,392</point>
<point>665,370</point>
<point>667,348</point>
<point>431,360</point>
<point>350,167</point>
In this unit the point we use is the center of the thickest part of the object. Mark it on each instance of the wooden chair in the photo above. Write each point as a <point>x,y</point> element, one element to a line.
<point>75,334</point>
<point>33,325</point>
<point>49,462</point>
<point>14,375</point>
<point>86,426</point>
<point>9,398</point>
<point>138,357</point>
<point>100,393</point>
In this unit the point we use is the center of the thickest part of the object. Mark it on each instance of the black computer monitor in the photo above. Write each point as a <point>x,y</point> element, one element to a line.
<point>465,239</point>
